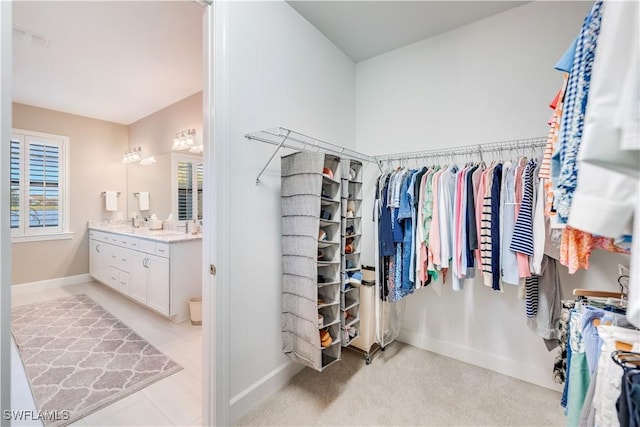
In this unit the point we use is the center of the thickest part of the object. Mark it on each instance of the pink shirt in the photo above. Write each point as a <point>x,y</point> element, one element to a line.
<point>421,252</point>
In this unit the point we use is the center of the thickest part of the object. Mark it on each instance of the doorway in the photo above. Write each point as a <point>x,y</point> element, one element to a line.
<point>207,241</point>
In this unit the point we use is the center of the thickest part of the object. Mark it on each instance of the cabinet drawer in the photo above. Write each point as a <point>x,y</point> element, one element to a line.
<point>134,243</point>
<point>146,246</point>
<point>98,235</point>
<point>163,249</point>
<point>114,255</point>
<point>113,279</point>
<point>124,259</point>
<point>120,240</point>
<point>123,283</point>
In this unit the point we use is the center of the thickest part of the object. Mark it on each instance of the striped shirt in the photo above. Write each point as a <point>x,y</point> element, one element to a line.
<point>574,112</point>
<point>522,240</point>
<point>531,296</point>
<point>554,128</point>
<point>485,230</point>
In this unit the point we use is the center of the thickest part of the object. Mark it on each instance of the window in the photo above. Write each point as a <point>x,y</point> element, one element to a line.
<point>38,186</point>
<point>188,180</point>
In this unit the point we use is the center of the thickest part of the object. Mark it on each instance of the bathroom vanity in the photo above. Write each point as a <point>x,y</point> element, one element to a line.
<point>159,269</point>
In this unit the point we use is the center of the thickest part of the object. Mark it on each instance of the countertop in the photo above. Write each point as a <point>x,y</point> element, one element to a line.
<point>167,236</point>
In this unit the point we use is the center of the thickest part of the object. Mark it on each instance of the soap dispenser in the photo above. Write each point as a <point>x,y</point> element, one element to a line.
<point>195,228</point>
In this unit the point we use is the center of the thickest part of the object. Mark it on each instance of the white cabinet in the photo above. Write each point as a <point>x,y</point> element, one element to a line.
<point>150,285</point>
<point>138,285</point>
<point>98,260</point>
<point>158,284</point>
<point>157,274</point>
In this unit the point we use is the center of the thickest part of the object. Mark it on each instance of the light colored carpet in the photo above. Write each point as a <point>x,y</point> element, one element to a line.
<point>407,386</point>
<point>79,357</point>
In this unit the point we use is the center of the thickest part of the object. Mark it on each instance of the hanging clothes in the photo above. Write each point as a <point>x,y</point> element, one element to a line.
<point>573,117</point>
<point>608,178</point>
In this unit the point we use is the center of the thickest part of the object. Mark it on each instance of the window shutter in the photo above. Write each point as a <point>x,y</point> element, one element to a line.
<point>15,184</point>
<point>199,180</point>
<point>44,179</point>
<point>185,191</point>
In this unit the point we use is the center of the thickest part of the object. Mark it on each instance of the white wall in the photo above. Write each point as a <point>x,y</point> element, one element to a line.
<point>95,165</point>
<point>282,71</point>
<point>488,81</point>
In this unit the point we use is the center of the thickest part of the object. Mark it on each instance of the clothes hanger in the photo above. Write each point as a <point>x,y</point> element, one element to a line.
<point>598,294</point>
<point>625,358</point>
<point>613,299</point>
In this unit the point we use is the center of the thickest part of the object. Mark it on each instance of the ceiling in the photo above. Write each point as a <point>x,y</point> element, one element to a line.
<point>123,60</point>
<point>364,29</point>
<point>112,60</point>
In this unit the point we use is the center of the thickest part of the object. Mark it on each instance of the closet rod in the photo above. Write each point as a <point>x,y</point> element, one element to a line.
<point>525,143</point>
<point>287,138</point>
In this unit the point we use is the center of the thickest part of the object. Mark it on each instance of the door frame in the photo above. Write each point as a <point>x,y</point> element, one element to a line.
<point>215,235</point>
<point>215,402</point>
<point>5,230</point>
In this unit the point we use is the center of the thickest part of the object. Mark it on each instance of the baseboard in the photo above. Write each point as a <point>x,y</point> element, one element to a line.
<point>49,284</point>
<point>248,398</point>
<point>521,371</point>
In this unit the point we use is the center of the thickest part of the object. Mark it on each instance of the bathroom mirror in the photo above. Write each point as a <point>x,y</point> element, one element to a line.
<point>174,184</point>
<point>186,193</point>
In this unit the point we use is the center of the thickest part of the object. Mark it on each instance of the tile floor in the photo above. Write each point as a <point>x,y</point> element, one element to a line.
<point>172,401</point>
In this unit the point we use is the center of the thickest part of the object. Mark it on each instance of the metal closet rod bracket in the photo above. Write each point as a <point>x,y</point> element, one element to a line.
<point>286,138</point>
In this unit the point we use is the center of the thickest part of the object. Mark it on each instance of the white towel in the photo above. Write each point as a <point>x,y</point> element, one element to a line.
<point>111,200</point>
<point>143,200</point>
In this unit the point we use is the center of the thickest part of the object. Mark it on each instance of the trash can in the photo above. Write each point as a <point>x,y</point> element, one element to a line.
<point>195,309</point>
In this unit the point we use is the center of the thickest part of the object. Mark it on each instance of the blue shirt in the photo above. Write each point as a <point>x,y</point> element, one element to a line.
<point>385,236</point>
<point>495,227</point>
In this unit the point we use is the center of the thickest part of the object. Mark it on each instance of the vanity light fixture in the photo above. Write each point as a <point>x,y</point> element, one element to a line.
<point>132,155</point>
<point>148,161</point>
<point>198,149</point>
<point>184,140</point>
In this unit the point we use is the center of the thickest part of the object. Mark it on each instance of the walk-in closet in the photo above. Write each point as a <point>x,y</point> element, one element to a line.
<point>460,140</point>
<point>423,213</point>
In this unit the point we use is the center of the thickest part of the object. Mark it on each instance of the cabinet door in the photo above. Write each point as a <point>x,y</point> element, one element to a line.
<point>158,284</point>
<point>98,251</point>
<point>138,277</point>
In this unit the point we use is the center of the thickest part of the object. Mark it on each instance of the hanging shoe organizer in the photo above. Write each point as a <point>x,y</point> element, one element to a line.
<point>312,258</point>
<point>351,237</point>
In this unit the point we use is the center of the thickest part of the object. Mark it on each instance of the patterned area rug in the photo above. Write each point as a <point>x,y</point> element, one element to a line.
<point>80,358</point>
